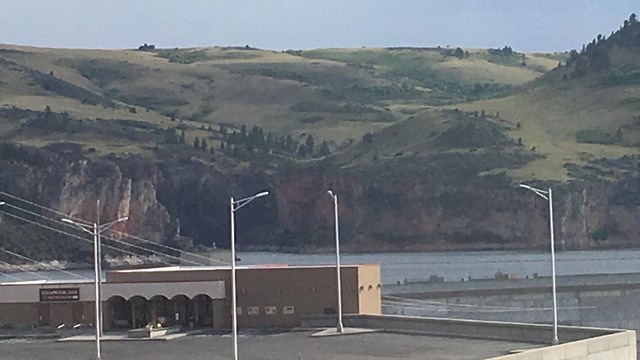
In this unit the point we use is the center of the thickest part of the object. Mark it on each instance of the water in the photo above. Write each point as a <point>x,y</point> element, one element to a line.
<point>453,266</point>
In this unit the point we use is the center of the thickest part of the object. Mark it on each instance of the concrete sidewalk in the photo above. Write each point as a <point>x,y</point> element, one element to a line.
<point>345,331</point>
<point>122,337</point>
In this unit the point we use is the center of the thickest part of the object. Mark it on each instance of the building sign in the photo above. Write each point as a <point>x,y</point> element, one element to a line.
<point>271,310</point>
<point>253,310</point>
<point>60,294</point>
<point>288,310</point>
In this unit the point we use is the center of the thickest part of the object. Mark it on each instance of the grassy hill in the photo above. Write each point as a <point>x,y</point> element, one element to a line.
<point>337,95</point>
<point>567,109</point>
<point>423,144</point>
<point>584,110</point>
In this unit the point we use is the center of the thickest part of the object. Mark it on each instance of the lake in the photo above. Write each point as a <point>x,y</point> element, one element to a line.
<point>453,266</point>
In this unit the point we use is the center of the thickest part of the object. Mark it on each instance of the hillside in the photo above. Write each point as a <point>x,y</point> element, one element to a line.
<point>424,145</point>
<point>335,95</point>
<point>584,110</point>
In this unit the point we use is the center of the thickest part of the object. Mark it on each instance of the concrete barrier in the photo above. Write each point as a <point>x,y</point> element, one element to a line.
<point>618,346</point>
<point>577,343</point>
<point>489,330</point>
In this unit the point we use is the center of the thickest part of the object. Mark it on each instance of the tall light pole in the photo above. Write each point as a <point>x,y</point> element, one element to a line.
<point>548,195</point>
<point>95,229</point>
<point>339,327</point>
<point>235,205</point>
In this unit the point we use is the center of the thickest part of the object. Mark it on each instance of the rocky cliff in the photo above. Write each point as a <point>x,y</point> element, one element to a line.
<point>413,207</point>
<point>57,177</point>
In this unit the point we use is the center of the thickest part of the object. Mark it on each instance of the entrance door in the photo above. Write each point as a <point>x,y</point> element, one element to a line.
<point>77,313</point>
<point>43,315</point>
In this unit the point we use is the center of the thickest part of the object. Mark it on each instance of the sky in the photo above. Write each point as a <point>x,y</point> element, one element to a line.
<point>534,25</point>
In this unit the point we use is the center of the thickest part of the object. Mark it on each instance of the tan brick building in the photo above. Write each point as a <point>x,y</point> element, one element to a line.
<point>267,296</point>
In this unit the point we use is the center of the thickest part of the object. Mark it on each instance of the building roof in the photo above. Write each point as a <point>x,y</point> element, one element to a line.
<point>225,267</point>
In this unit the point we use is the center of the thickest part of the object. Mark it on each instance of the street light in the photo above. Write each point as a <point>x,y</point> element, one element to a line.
<point>95,229</point>
<point>235,205</point>
<point>339,328</point>
<point>548,195</point>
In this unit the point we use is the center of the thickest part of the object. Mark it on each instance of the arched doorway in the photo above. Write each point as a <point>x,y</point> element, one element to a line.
<point>180,305</point>
<point>201,311</point>
<point>140,316</point>
<point>121,313</point>
<point>161,310</point>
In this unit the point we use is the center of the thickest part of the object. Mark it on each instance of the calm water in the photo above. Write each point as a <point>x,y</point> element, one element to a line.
<point>451,265</point>
<point>478,264</point>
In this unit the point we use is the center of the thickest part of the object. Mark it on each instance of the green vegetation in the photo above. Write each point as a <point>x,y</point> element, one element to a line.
<point>596,136</point>
<point>413,69</point>
<point>248,144</point>
<point>604,232</point>
<point>472,132</point>
<point>105,72</point>
<point>61,87</point>
<point>158,103</point>
<point>183,56</point>
<point>363,112</point>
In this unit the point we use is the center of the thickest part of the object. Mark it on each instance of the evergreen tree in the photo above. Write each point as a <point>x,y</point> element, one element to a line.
<point>302,151</point>
<point>203,145</point>
<point>170,136</point>
<point>324,149</point>
<point>289,144</point>
<point>235,152</point>
<point>183,137</point>
<point>196,143</point>
<point>309,144</point>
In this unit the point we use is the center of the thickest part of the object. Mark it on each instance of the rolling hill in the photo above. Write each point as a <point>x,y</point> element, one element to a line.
<point>335,94</point>
<point>423,144</point>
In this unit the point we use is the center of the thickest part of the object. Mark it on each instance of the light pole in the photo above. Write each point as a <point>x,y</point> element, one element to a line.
<point>339,328</point>
<point>95,229</point>
<point>548,195</point>
<point>235,205</point>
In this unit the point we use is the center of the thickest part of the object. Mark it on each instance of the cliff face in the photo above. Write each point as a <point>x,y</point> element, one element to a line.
<point>72,186</point>
<point>173,199</point>
<point>414,213</point>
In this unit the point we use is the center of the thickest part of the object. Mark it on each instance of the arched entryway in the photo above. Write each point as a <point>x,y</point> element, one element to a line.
<point>180,310</point>
<point>161,310</point>
<point>120,313</point>
<point>201,311</point>
<point>140,316</point>
<point>181,313</point>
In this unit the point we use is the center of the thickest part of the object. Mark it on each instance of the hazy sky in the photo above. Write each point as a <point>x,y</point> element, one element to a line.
<point>534,25</point>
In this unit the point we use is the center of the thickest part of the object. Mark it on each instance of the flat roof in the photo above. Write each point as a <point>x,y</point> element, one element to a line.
<point>276,346</point>
<point>177,268</point>
<point>47,282</point>
<point>228,267</point>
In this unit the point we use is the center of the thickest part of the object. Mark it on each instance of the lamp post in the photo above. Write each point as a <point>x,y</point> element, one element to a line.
<point>235,205</point>
<point>95,229</point>
<point>548,195</point>
<point>339,327</point>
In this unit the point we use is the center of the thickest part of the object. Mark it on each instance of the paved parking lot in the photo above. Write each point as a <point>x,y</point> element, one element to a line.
<point>274,346</point>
